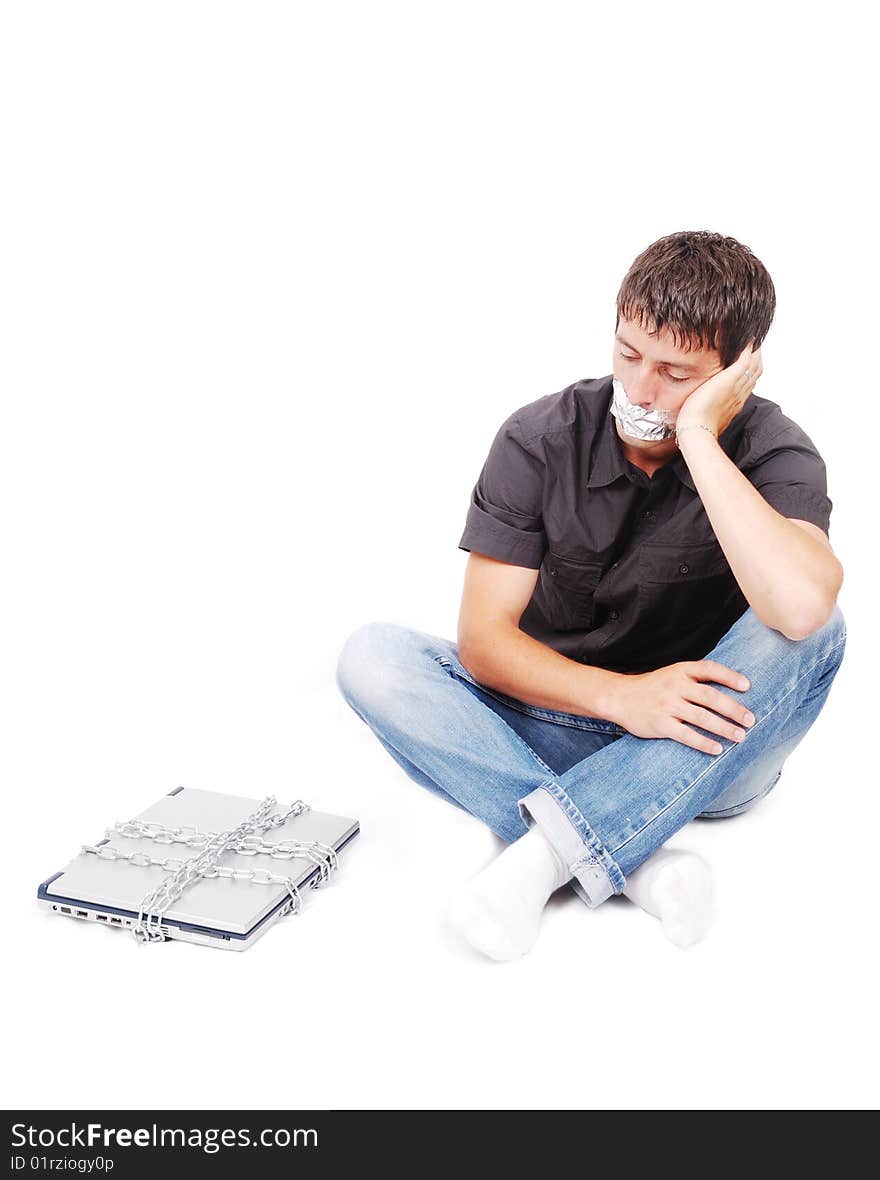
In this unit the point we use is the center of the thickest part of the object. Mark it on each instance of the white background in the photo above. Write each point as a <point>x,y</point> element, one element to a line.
<point>272,276</point>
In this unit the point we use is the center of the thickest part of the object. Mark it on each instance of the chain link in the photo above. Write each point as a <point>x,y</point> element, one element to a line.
<point>148,927</point>
<point>243,839</point>
<point>193,837</point>
<point>320,854</point>
<point>141,859</point>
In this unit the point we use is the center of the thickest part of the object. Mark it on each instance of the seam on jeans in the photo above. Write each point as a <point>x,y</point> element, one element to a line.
<point>525,745</point>
<point>717,757</point>
<point>596,849</point>
<point>609,727</point>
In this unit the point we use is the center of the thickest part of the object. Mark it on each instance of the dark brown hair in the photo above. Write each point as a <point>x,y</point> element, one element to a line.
<point>708,290</point>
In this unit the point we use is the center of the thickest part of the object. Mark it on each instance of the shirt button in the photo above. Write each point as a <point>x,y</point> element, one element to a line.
<point>614,565</point>
<point>614,615</point>
<point>684,569</point>
<point>553,573</point>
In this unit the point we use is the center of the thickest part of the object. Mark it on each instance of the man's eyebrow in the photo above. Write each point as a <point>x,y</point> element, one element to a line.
<point>670,364</point>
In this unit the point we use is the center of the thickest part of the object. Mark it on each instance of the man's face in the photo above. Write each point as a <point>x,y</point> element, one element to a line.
<point>657,375</point>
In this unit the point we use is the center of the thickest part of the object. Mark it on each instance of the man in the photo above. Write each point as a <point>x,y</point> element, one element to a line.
<point>649,622</point>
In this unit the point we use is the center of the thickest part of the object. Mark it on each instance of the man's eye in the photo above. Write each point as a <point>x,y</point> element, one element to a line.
<point>677,380</point>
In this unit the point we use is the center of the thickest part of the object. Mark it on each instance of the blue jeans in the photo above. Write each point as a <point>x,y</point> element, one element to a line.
<point>603,797</point>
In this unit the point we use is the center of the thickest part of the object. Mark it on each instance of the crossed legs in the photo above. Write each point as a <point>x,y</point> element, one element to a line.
<point>604,817</point>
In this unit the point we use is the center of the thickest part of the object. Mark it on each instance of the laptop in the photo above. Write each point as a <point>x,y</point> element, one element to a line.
<point>226,911</point>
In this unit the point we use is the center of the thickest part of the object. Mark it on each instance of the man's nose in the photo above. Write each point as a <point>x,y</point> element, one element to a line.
<point>641,391</point>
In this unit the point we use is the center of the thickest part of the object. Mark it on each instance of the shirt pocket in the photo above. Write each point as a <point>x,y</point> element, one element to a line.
<point>680,588</point>
<point>569,589</point>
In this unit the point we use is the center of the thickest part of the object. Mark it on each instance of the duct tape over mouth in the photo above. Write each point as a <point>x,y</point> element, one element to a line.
<point>648,425</point>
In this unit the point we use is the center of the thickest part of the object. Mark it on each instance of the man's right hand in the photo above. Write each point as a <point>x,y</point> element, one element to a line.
<point>658,704</point>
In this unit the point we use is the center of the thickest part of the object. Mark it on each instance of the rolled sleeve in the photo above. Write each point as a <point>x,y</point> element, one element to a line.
<point>792,478</point>
<point>504,518</point>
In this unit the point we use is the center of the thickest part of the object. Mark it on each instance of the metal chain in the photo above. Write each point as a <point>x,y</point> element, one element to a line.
<point>241,839</point>
<point>323,855</point>
<point>193,837</point>
<point>148,927</point>
<point>143,860</point>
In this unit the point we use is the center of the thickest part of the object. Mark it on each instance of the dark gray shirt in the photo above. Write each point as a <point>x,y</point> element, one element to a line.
<point>631,576</point>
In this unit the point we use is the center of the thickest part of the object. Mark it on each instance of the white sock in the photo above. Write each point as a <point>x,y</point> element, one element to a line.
<point>676,887</point>
<point>499,911</point>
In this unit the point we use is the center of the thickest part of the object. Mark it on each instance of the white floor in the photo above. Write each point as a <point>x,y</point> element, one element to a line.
<point>278,273</point>
<point>367,1000</point>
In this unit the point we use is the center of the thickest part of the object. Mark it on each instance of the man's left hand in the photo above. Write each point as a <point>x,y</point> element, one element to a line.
<point>720,398</point>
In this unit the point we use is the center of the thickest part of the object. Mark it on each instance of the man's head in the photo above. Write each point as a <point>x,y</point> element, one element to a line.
<point>687,307</point>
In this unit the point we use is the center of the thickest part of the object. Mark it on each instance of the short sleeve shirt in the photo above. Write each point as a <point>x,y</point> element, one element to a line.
<point>631,576</point>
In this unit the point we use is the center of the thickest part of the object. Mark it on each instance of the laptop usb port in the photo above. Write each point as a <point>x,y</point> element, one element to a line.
<point>116,921</point>
<point>65,909</point>
<point>101,917</point>
<point>82,914</point>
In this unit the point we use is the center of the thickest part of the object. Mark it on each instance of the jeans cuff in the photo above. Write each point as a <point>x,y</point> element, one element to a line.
<point>596,875</point>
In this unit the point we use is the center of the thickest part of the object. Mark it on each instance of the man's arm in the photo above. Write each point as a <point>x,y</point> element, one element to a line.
<point>505,536</point>
<point>498,654</point>
<point>788,576</point>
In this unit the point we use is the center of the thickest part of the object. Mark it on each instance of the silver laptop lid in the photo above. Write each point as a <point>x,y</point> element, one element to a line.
<point>218,903</point>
